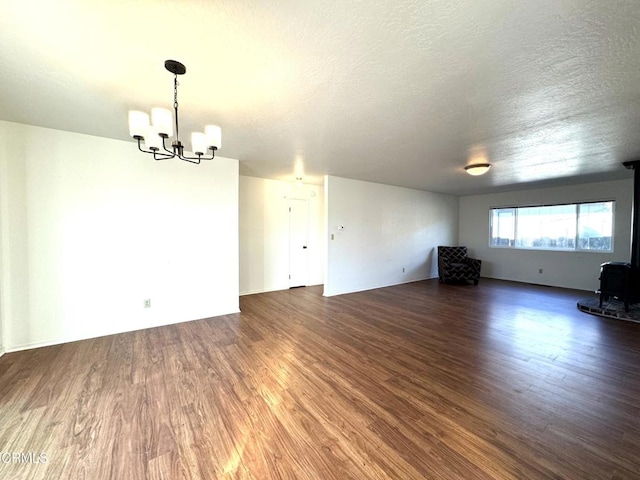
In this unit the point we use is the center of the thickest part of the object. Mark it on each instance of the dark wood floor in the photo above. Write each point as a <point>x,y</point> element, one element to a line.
<point>422,380</point>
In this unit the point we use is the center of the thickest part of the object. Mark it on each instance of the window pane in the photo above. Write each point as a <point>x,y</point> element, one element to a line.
<point>552,227</point>
<point>582,226</point>
<point>503,221</point>
<point>595,226</point>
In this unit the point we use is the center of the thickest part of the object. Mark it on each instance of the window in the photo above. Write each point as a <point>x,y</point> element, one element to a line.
<point>582,226</point>
<point>595,226</point>
<point>503,224</point>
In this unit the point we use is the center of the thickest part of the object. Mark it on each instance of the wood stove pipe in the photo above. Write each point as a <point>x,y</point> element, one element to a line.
<point>635,227</point>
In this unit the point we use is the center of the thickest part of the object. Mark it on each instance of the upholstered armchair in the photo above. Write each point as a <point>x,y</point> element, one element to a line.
<point>454,265</point>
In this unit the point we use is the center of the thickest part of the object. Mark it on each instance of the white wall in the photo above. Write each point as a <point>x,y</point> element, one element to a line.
<point>14,288</point>
<point>91,227</point>
<point>386,229</point>
<point>264,233</point>
<point>578,270</point>
<point>3,220</point>
<point>4,188</point>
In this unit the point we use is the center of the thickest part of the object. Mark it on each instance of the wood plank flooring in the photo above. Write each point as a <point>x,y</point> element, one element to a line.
<point>498,381</point>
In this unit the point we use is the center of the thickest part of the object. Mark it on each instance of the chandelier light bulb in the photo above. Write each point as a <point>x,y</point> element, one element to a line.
<point>198,143</point>
<point>138,123</point>
<point>162,121</point>
<point>152,140</point>
<point>214,136</point>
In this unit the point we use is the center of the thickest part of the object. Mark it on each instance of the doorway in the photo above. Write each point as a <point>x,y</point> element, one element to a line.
<point>298,243</point>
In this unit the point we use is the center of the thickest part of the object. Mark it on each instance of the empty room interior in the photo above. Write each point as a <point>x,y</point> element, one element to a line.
<point>320,240</point>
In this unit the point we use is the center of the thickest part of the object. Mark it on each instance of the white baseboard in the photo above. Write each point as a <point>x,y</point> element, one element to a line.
<point>253,292</point>
<point>32,345</point>
<point>365,289</point>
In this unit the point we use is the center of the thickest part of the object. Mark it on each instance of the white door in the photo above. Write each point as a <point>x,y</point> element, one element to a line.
<point>298,243</point>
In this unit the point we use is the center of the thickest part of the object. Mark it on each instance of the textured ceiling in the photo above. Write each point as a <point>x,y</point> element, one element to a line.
<point>405,92</point>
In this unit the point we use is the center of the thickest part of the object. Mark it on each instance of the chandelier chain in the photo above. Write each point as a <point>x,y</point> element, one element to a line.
<point>175,92</point>
<point>175,103</point>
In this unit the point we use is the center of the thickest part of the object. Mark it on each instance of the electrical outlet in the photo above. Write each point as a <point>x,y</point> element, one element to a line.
<point>540,270</point>
<point>147,303</point>
<point>402,269</point>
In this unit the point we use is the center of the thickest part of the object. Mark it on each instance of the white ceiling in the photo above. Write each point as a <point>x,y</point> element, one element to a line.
<point>403,92</point>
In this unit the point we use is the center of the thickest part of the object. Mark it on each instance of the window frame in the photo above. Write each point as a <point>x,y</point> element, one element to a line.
<point>577,249</point>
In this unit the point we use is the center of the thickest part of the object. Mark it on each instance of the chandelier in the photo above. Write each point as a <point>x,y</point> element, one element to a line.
<point>155,133</point>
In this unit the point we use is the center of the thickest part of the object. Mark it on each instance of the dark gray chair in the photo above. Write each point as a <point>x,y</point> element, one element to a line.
<point>454,265</point>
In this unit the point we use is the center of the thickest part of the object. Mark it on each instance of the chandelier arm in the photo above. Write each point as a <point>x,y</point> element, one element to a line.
<point>139,139</point>
<point>213,154</point>
<point>199,157</point>
<point>162,156</point>
<point>156,155</point>
<point>195,160</point>
<point>191,159</point>
<point>172,152</point>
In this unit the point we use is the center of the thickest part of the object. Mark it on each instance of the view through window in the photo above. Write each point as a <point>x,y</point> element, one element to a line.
<point>580,226</point>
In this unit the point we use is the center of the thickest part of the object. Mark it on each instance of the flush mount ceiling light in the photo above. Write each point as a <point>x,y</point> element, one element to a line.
<point>155,134</point>
<point>478,169</point>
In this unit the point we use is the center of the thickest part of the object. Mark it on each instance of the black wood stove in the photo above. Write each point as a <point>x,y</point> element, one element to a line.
<point>621,280</point>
